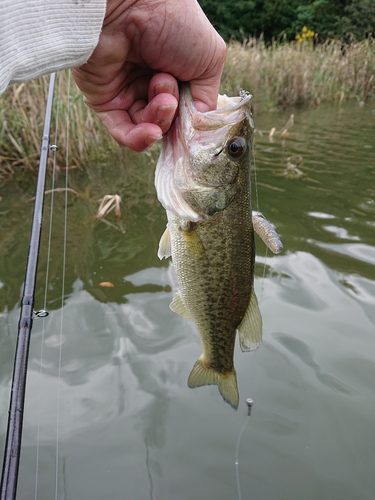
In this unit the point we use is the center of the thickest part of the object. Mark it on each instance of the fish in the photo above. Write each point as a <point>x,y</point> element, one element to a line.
<point>202,179</point>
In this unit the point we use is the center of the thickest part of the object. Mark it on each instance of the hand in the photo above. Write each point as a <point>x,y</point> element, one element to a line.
<point>130,81</point>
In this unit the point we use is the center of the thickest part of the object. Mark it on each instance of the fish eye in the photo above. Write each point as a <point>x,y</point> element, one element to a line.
<point>236,147</point>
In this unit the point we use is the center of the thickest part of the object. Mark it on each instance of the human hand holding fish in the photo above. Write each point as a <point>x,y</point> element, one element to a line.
<point>203,181</point>
<point>130,81</point>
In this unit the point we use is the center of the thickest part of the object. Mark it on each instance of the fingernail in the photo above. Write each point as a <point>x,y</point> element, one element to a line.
<point>156,137</point>
<point>162,88</point>
<point>152,139</point>
<point>164,113</point>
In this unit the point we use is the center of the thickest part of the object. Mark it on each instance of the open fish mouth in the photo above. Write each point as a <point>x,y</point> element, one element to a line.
<point>196,134</point>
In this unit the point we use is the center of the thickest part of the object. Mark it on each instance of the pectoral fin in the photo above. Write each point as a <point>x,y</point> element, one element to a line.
<point>268,234</point>
<point>194,245</point>
<point>250,329</point>
<point>178,306</point>
<point>202,374</point>
<point>165,245</point>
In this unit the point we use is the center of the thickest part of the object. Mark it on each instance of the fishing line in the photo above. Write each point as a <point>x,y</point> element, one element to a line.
<point>9,477</point>
<point>255,179</point>
<point>258,210</point>
<point>236,459</point>
<point>53,149</point>
<point>62,310</point>
<point>249,403</point>
<point>264,276</point>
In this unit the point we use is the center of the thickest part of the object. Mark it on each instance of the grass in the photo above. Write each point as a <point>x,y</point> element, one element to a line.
<point>280,74</point>
<point>294,73</point>
<point>22,109</point>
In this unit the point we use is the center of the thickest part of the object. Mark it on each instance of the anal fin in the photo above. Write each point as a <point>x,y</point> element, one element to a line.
<point>250,329</point>
<point>178,306</point>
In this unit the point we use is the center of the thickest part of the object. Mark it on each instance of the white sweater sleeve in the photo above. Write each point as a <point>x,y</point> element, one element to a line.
<point>41,36</point>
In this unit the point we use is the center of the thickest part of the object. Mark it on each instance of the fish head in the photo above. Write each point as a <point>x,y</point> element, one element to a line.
<point>205,157</point>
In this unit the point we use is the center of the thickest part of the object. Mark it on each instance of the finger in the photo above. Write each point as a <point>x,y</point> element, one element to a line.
<point>163,83</point>
<point>160,110</point>
<point>204,94</point>
<point>100,98</point>
<point>204,90</point>
<point>137,137</point>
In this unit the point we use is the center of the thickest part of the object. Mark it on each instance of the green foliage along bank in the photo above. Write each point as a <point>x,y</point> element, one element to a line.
<point>342,19</point>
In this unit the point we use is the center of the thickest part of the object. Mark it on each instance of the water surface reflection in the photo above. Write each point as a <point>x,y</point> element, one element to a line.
<point>118,405</point>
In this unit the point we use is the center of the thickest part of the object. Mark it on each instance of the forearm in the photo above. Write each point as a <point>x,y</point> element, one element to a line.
<point>41,36</point>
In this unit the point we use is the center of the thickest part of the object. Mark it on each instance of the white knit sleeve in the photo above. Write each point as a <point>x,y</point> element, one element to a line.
<point>41,36</point>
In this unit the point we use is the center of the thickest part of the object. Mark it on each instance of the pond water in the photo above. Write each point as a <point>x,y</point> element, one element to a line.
<point>108,411</point>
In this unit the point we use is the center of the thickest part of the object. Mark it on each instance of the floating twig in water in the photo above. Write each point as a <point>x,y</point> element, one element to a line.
<point>59,190</point>
<point>292,164</point>
<point>107,204</point>
<point>284,130</point>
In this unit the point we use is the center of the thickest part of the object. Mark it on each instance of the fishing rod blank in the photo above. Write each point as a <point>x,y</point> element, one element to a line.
<point>12,451</point>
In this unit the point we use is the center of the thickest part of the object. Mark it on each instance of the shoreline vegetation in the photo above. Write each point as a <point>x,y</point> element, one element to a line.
<point>283,74</point>
<point>279,74</point>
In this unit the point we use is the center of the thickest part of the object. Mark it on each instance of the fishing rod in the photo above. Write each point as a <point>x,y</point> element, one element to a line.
<point>9,476</point>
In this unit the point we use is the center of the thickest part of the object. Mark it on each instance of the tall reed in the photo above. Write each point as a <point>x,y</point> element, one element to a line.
<point>298,73</point>
<point>21,124</point>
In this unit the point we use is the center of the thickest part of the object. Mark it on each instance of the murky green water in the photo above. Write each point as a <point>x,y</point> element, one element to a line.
<point>118,413</point>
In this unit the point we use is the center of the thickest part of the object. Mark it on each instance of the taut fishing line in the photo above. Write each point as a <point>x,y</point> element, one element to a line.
<point>236,460</point>
<point>257,205</point>
<point>249,403</point>
<point>62,309</point>
<point>53,149</point>
<point>255,178</point>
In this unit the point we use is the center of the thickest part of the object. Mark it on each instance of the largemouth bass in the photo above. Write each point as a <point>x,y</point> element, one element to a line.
<point>203,181</point>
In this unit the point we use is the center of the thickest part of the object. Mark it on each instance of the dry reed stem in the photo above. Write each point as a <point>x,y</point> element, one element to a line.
<point>108,203</point>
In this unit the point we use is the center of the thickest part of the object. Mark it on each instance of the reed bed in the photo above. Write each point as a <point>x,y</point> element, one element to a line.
<point>280,74</point>
<point>74,127</point>
<point>284,74</point>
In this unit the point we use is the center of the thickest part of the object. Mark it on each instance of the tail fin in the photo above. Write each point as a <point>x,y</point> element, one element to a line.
<point>202,374</point>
